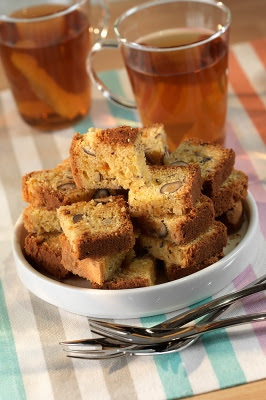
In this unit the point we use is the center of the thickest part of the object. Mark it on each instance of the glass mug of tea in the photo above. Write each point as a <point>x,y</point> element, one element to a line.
<point>176,56</point>
<point>44,47</point>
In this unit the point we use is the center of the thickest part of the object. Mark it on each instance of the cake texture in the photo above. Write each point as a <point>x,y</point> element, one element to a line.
<point>110,158</point>
<point>53,188</point>
<point>234,189</point>
<point>204,247</point>
<point>97,229</point>
<point>40,220</point>
<point>174,271</point>
<point>233,218</point>
<point>44,253</point>
<point>96,270</point>
<point>171,189</point>
<point>179,229</point>
<point>154,140</point>
<point>140,272</point>
<point>215,162</point>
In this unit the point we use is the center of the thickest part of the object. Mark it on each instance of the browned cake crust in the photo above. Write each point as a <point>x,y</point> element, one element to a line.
<point>44,253</point>
<point>174,271</point>
<point>140,272</point>
<point>234,188</point>
<point>96,270</point>
<point>233,218</point>
<point>202,248</point>
<point>53,188</point>
<point>101,229</point>
<point>179,229</point>
<point>215,161</point>
<point>122,135</point>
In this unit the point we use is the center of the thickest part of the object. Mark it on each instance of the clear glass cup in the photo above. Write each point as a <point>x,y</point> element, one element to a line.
<point>44,47</point>
<point>176,56</point>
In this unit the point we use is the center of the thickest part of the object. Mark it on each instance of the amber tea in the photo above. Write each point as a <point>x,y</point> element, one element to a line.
<point>186,88</point>
<point>45,63</point>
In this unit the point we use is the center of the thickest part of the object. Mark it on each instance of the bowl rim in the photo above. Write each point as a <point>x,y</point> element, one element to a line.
<point>251,228</point>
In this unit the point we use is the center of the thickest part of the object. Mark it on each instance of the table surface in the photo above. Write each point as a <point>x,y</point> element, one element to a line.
<point>248,18</point>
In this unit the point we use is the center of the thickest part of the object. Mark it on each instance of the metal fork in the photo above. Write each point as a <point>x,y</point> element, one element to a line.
<point>169,343</point>
<point>122,349</point>
<point>123,332</point>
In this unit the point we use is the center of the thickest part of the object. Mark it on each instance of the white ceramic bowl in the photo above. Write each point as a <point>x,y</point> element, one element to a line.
<point>135,303</point>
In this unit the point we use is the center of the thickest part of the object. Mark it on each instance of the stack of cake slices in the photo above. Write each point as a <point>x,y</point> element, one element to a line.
<point>121,208</point>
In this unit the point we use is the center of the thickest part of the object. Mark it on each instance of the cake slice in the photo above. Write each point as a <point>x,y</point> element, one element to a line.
<point>97,229</point>
<point>234,188</point>
<point>233,218</point>
<point>171,189</point>
<point>53,188</point>
<point>97,270</point>
<point>195,252</point>
<point>141,272</point>
<point>40,220</point>
<point>215,162</point>
<point>155,144</point>
<point>179,229</point>
<point>174,271</point>
<point>110,158</point>
<point>44,253</point>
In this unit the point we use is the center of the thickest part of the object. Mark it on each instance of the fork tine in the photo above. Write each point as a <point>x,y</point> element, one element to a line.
<point>181,319</point>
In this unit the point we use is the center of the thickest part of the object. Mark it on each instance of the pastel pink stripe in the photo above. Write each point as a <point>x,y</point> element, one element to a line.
<point>244,164</point>
<point>253,304</point>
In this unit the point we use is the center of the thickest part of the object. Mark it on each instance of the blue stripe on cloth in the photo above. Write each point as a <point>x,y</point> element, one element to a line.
<point>170,368</point>
<point>83,125</point>
<point>11,384</point>
<point>113,82</point>
<point>222,356</point>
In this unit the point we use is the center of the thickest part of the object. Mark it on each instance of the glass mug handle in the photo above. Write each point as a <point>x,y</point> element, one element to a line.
<point>120,100</point>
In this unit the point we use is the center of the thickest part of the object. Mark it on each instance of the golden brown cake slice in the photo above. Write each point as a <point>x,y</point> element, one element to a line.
<point>44,253</point>
<point>97,229</point>
<point>171,189</point>
<point>155,144</point>
<point>174,271</point>
<point>233,218</point>
<point>215,162</point>
<point>141,272</point>
<point>195,252</point>
<point>109,158</point>
<point>40,220</point>
<point>234,188</point>
<point>179,229</point>
<point>53,188</point>
<point>96,270</point>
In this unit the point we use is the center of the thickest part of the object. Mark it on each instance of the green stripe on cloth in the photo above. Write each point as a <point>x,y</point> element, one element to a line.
<point>222,356</point>
<point>170,368</point>
<point>11,384</point>
<point>113,82</point>
<point>83,125</point>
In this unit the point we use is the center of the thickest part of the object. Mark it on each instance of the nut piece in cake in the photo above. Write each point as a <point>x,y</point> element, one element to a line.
<point>171,189</point>
<point>155,144</point>
<point>195,252</point>
<point>97,270</point>
<point>110,158</point>
<point>97,229</point>
<point>44,253</point>
<point>216,162</point>
<point>53,188</point>
<point>179,229</point>
<point>40,220</point>
<point>141,272</point>
<point>234,188</point>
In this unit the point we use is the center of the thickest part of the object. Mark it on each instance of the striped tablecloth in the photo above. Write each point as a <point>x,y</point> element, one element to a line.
<point>32,365</point>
